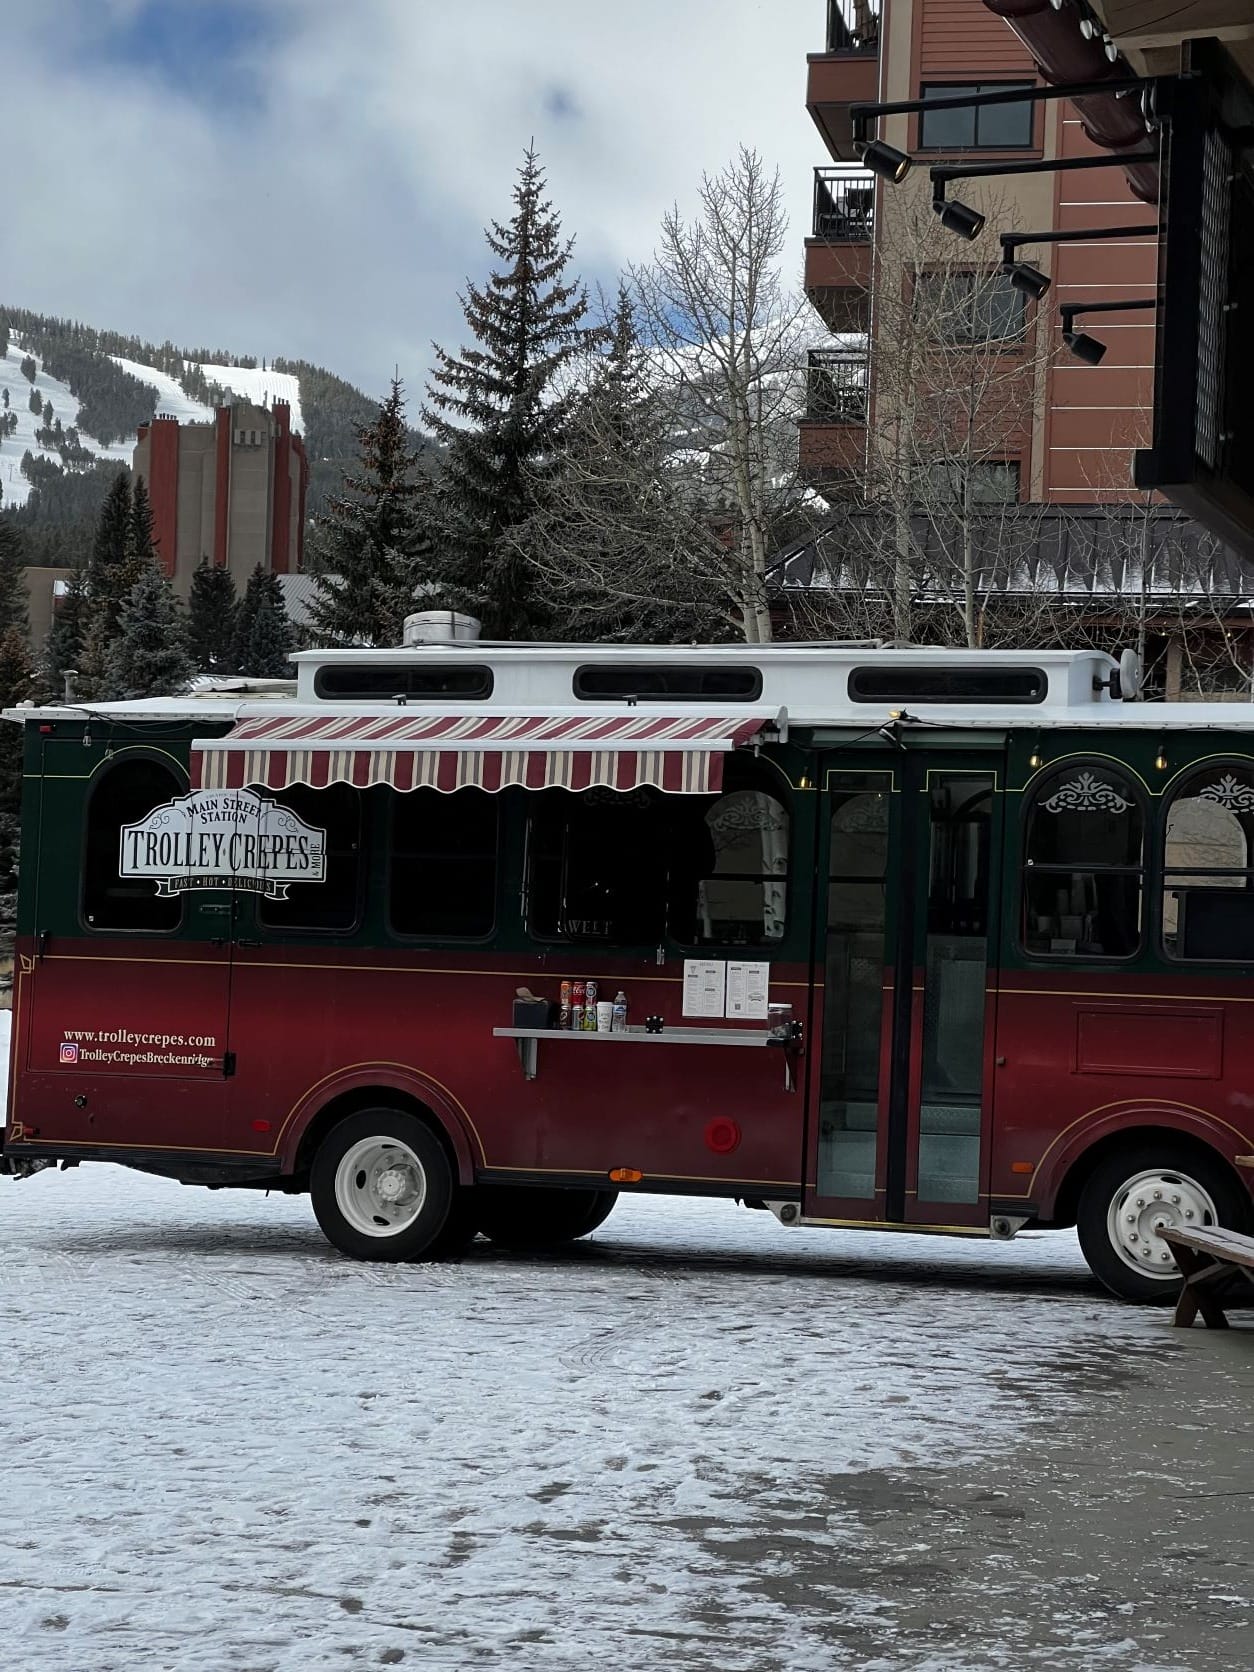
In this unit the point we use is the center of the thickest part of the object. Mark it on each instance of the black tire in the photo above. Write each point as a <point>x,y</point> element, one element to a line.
<point>1169,1164</point>
<point>526,1219</point>
<point>460,1228</point>
<point>345,1202</point>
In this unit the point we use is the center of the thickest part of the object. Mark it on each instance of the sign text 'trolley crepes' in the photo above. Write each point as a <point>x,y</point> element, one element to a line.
<point>223,839</point>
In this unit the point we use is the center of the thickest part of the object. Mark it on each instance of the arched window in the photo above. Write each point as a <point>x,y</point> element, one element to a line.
<point>1084,864</point>
<point>1208,866</point>
<point>743,897</point>
<point>125,792</point>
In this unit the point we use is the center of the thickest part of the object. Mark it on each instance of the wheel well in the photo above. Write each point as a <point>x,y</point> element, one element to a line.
<point>366,1097</point>
<point>1067,1201</point>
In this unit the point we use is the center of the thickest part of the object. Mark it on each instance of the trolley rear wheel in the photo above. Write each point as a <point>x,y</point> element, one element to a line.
<point>523,1218</point>
<point>1134,1191</point>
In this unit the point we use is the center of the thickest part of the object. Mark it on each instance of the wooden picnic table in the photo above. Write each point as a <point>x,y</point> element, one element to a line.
<point>1217,1267</point>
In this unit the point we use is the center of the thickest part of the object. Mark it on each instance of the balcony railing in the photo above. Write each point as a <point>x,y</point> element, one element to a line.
<point>836,386</point>
<point>844,205</point>
<point>853,25</point>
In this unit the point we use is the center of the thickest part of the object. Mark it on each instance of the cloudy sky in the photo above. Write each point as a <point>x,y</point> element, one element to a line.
<point>311,177</point>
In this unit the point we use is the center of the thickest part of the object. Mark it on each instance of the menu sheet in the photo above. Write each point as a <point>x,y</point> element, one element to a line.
<point>705,986</point>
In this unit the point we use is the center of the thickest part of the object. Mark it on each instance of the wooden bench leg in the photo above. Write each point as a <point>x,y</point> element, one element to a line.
<point>1196,1295</point>
<point>1186,1307</point>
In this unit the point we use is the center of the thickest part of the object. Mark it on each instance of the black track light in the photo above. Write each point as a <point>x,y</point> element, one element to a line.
<point>968,223</point>
<point>1084,347</point>
<point>1030,280</point>
<point>885,160</point>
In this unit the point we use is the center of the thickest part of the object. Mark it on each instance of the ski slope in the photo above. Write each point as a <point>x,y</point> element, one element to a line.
<point>13,484</point>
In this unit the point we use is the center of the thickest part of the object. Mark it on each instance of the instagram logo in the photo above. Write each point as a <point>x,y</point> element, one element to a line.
<point>69,1053</point>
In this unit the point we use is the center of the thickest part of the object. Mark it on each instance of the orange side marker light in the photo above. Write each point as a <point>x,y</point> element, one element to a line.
<point>625,1175</point>
<point>1022,1167</point>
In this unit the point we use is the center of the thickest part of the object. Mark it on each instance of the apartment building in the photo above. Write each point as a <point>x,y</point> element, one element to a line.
<point>232,491</point>
<point>1059,431</point>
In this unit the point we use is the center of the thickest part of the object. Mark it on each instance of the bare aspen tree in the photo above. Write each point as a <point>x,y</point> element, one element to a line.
<point>954,370</point>
<point>726,342</point>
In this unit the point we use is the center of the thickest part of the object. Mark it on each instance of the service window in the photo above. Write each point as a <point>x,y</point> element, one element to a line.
<point>1208,866</point>
<point>124,793</point>
<point>332,905</point>
<point>442,871</point>
<point>1084,864</point>
<point>597,865</point>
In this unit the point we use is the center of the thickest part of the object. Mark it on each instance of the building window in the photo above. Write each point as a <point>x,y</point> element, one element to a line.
<point>954,308</point>
<point>1208,866</point>
<point>1083,864</point>
<point>333,904</point>
<point>1003,127</point>
<point>124,793</point>
<point>953,483</point>
<point>442,873</point>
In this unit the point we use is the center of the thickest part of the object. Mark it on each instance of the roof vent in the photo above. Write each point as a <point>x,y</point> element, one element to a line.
<point>440,627</point>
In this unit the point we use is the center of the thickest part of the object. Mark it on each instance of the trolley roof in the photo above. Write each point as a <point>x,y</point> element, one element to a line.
<point>785,687</point>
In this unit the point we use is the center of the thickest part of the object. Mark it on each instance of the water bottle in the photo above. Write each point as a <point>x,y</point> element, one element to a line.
<point>619,1024</point>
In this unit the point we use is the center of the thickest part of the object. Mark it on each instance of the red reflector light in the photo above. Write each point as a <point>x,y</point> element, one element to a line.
<point>626,1175</point>
<point>261,1126</point>
<point>44,730</point>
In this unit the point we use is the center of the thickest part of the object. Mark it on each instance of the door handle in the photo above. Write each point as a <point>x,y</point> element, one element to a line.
<point>248,943</point>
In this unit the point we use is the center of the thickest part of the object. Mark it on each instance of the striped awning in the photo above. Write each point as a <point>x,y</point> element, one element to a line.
<point>681,753</point>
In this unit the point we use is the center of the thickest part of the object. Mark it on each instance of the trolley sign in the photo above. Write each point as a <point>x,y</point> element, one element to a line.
<point>223,839</point>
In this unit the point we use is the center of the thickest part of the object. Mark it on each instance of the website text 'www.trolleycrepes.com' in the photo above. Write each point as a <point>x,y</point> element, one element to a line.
<point>121,1045</point>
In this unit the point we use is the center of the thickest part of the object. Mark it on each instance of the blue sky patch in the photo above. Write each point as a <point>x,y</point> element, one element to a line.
<point>206,50</point>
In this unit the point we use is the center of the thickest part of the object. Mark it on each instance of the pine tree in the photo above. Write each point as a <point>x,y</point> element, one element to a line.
<point>5,394</point>
<point>36,405</point>
<point>211,619</point>
<point>47,411</point>
<point>500,411</point>
<point>109,578</point>
<point>619,545</point>
<point>64,646</point>
<point>15,687</point>
<point>366,543</point>
<point>149,656</point>
<point>13,594</point>
<point>264,638</point>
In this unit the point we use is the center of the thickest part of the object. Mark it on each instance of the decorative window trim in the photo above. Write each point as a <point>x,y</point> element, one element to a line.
<point>1228,792</point>
<point>1085,793</point>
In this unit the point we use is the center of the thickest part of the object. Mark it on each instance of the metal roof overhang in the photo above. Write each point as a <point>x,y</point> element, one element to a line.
<point>673,750</point>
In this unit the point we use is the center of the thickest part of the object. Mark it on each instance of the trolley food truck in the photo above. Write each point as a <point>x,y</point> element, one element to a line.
<point>914,939</point>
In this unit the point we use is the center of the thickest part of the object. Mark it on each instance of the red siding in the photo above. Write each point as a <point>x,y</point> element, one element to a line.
<point>222,487</point>
<point>962,38</point>
<point>163,489</point>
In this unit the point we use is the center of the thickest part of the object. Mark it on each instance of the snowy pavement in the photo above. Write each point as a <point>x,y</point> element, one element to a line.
<point>226,1447</point>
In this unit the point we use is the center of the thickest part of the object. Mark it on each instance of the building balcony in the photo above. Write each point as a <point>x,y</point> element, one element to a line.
<point>838,256</point>
<point>846,73</point>
<point>832,439</point>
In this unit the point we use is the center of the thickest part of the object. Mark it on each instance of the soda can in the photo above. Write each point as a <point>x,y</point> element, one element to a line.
<point>590,1006</point>
<point>563,1006</point>
<point>576,1018</point>
<point>578,993</point>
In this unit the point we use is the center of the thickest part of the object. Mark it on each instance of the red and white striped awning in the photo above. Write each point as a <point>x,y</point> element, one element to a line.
<point>681,753</point>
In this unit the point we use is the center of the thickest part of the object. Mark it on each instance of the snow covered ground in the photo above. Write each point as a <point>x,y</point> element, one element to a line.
<point>228,1448</point>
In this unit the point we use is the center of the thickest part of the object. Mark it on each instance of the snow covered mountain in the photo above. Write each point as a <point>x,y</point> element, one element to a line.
<point>76,395</point>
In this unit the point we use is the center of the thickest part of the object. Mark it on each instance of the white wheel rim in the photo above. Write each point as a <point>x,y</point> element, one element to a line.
<point>380,1187</point>
<point>1149,1202</point>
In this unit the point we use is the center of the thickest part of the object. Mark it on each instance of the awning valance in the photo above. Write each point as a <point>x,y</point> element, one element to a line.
<point>681,753</point>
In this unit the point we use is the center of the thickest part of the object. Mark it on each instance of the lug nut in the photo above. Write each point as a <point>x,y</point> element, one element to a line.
<point>1158,1195</point>
<point>1140,1201</point>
